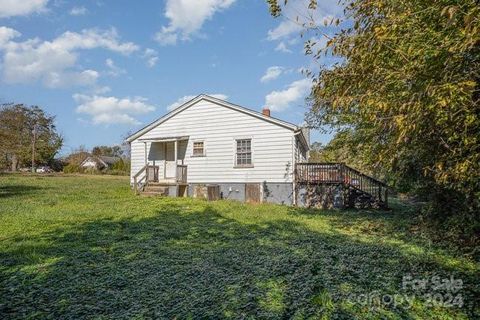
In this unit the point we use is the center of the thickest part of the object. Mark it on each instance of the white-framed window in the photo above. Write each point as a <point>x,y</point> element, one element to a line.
<point>243,153</point>
<point>198,148</point>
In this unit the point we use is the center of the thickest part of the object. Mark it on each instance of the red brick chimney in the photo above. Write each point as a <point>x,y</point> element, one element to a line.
<point>266,111</point>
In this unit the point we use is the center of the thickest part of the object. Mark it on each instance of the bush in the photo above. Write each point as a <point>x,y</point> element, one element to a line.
<point>73,168</point>
<point>121,165</point>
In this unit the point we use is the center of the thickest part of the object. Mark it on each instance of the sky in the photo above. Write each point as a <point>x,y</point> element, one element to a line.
<point>106,68</point>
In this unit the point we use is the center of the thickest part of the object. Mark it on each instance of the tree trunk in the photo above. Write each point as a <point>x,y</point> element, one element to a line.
<point>14,163</point>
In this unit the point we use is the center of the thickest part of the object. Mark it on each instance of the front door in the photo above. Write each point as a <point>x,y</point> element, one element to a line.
<point>170,165</point>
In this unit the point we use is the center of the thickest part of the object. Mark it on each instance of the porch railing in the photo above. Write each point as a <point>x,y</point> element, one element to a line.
<point>181,173</point>
<point>152,175</point>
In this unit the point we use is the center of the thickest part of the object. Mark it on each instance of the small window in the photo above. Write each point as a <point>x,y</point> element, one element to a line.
<point>243,156</point>
<point>198,149</point>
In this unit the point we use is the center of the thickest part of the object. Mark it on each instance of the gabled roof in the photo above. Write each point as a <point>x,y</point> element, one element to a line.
<point>220,102</point>
<point>104,160</point>
<point>109,160</point>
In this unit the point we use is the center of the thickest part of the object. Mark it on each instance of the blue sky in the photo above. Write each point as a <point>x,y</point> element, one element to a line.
<point>105,68</point>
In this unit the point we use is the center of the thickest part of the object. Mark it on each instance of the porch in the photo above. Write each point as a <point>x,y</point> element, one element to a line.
<point>164,163</point>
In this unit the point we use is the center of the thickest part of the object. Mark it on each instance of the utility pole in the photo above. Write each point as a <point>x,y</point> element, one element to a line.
<point>34,133</point>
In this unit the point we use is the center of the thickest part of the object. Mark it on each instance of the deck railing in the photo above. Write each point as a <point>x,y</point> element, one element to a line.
<point>339,173</point>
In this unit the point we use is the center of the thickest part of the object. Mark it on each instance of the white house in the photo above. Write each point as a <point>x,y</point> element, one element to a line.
<point>99,162</point>
<point>247,155</point>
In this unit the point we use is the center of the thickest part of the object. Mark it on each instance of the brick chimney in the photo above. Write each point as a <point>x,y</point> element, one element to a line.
<point>266,111</point>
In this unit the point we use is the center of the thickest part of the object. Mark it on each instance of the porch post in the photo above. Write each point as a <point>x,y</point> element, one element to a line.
<point>146,162</point>
<point>145,144</point>
<point>175,148</point>
<point>164,160</point>
<point>175,151</point>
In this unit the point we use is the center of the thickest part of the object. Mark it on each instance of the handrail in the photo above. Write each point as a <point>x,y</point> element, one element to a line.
<point>135,177</point>
<point>366,176</point>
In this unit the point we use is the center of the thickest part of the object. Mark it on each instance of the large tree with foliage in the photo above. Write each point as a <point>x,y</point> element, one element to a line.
<point>111,151</point>
<point>25,131</point>
<point>407,86</point>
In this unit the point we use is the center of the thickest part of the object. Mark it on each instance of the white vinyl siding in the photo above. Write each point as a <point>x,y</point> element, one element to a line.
<point>301,154</point>
<point>219,127</point>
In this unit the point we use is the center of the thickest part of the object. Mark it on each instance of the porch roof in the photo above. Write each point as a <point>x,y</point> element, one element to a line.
<point>165,139</point>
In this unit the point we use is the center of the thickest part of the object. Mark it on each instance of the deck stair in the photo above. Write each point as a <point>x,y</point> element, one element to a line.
<point>359,190</point>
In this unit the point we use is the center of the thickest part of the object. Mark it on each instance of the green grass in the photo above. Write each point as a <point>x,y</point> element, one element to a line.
<point>86,247</point>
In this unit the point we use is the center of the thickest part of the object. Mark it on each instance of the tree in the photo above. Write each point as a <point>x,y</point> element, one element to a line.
<point>77,156</point>
<point>113,151</point>
<point>347,147</point>
<point>28,135</point>
<point>408,84</point>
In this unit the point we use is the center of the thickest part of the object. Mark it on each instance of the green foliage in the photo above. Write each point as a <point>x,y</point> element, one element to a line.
<point>347,146</point>
<point>22,126</point>
<point>122,165</point>
<point>75,247</point>
<point>72,168</point>
<point>408,85</point>
<point>77,156</point>
<point>113,151</point>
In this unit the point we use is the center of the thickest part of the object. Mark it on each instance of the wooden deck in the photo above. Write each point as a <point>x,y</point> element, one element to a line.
<point>309,174</point>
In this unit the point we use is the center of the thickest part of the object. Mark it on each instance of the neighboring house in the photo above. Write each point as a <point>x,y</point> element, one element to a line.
<point>99,162</point>
<point>245,154</point>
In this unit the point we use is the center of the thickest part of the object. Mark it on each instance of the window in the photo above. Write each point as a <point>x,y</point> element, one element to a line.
<point>198,149</point>
<point>243,156</point>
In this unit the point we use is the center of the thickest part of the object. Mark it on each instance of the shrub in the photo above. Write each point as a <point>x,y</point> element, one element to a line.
<point>72,168</point>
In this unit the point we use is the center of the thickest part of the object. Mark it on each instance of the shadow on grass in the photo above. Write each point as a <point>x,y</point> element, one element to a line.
<point>201,264</point>
<point>17,190</point>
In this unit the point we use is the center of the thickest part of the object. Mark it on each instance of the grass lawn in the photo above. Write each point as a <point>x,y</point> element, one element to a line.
<point>86,247</point>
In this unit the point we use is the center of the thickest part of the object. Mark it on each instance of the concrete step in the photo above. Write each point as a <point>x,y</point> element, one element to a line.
<point>162,183</point>
<point>153,194</point>
<point>161,189</point>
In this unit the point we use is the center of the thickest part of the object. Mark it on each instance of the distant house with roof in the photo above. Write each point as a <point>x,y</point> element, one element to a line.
<point>99,162</point>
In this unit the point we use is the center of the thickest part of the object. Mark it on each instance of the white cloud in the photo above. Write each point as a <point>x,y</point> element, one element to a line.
<point>272,73</point>
<point>284,29</point>
<point>114,70</point>
<point>187,18</point>
<point>151,57</point>
<point>112,110</point>
<point>101,90</point>
<point>281,100</point>
<point>296,16</point>
<point>282,47</point>
<point>78,11</point>
<point>184,99</point>
<point>10,8</point>
<point>54,63</point>
<point>6,34</point>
